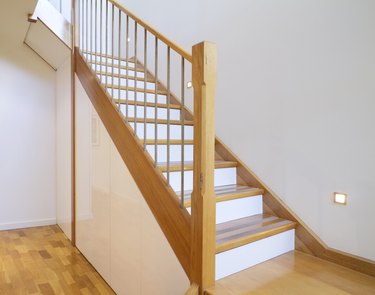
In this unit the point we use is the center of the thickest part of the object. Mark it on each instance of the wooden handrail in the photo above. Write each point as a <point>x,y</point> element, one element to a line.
<point>203,197</point>
<point>153,31</point>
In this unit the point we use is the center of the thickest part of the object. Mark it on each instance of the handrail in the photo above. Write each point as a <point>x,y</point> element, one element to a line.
<point>153,31</point>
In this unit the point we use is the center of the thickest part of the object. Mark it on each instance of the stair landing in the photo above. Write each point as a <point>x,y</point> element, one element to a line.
<point>295,273</point>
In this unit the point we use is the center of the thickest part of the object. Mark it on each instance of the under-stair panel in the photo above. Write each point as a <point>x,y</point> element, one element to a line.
<point>243,257</point>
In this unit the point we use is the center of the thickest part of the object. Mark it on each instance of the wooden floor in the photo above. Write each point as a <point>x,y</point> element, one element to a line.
<point>296,273</point>
<point>41,260</point>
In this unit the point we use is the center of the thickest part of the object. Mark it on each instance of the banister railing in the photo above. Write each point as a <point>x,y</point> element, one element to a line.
<point>141,70</point>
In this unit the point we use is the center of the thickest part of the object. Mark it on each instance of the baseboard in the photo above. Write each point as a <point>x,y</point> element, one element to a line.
<point>26,224</point>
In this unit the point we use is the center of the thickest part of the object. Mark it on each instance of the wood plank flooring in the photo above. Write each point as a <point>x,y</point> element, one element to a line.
<point>41,260</point>
<point>296,273</point>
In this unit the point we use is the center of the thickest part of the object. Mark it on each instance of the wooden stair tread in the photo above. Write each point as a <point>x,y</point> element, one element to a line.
<point>148,104</point>
<point>171,141</point>
<point>105,55</point>
<point>246,230</point>
<point>109,74</point>
<point>159,121</point>
<point>115,66</point>
<point>141,90</point>
<point>226,193</point>
<point>188,165</point>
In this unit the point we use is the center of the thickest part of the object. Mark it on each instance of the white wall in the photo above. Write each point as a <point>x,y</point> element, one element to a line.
<point>296,100</point>
<point>116,230</point>
<point>27,126</point>
<point>63,148</point>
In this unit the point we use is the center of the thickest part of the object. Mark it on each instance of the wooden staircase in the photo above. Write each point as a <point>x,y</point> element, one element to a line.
<point>216,214</point>
<point>238,225</point>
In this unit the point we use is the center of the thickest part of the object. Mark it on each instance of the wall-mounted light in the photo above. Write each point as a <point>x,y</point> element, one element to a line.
<point>128,39</point>
<point>340,198</point>
<point>189,84</point>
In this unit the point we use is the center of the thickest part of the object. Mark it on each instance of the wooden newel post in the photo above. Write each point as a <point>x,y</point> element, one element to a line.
<point>203,197</point>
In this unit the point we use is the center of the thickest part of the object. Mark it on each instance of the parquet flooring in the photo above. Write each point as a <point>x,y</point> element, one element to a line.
<point>41,260</point>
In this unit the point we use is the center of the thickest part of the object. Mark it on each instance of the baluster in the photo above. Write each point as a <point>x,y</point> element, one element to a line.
<point>113,48</point>
<point>136,74</point>
<point>127,68</point>
<point>106,46</point>
<point>87,31</point>
<point>91,38</point>
<point>96,33</point>
<point>168,110</point>
<point>156,100</point>
<point>119,60</point>
<point>101,41</point>
<point>182,131</point>
<point>145,91</point>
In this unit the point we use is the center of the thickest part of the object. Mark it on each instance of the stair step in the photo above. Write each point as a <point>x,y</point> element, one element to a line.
<point>160,121</point>
<point>115,66</point>
<point>102,73</point>
<point>226,193</point>
<point>188,165</point>
<point>141,90</point>
<point>171,142</point>
<point>148,104</point>
<point>236,233</point>
<point>98,55</point>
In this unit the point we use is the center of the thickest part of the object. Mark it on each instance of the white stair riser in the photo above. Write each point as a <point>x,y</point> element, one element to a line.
<point>240,258</point>
<point>238,208</point>
<point>150,97</point>
<point>140,84</point>
<point>175,131</point>
<point>223,176</point>
<point>174,153</point>
<point>108,70</point>
<point>103,59</point>
<point>150,112</point>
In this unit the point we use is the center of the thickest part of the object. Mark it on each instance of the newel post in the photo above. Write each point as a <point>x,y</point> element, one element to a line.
<point>203,196</point>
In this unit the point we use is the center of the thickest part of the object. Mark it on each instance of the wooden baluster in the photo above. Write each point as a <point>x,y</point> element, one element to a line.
<point>203,196</point>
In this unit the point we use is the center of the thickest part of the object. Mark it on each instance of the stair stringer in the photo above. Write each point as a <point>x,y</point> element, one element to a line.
<point>305,239</point>
<point>174,221</point>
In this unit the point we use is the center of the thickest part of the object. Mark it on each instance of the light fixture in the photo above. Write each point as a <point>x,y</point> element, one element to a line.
<point>128,39</point>
<point>189,84</point>
<point>340,198</point>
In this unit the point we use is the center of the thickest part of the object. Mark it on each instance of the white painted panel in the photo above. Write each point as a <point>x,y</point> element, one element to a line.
<point>63,148</point>
<point>240,258</point>
<point>47,45</point>
<point>116,230</point>
<point>27,125</point>
<point>239,208</point>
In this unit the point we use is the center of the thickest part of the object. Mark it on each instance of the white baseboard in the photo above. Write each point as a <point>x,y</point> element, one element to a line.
<point>26,224</point>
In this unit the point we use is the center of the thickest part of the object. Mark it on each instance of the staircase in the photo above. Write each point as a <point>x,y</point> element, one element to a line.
<point>245,236</point>
<point>217,215</point>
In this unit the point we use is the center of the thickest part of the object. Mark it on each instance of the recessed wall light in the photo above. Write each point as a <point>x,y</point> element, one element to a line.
<point>189,84</point>
<point>340,198</point>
